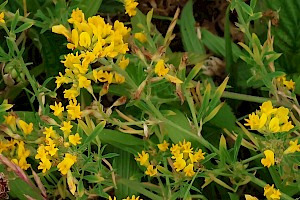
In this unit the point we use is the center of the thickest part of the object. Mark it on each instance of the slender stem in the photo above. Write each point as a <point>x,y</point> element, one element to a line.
<point>252,158</point>
<point>245,97</point>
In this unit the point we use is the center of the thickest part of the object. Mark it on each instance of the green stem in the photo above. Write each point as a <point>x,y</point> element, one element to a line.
<point>245,97</point>
<point>253,158</point>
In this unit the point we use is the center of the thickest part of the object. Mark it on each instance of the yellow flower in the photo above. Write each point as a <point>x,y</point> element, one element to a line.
<point>66,128</point>
<point>140,37</point>
<point>267,108</point>
<point>133,198</point>
<point>26,128</point>
<point>22,163</point>
<point>85,39</point>
<point>271,193</point>
<point>179,163</point>
<point>286,127</point>
<point>143,158</point>
<point>22,155</point>
<point>119,78</point>
<point>71,93</point>
<point>123,63</point>
<point>60,29</point>
<point>255,122</point>
<point>160,68</point>
<point>49,132</point>
<point>45,164</point>
<point>274,125</point>
<point>76,16</point>
<point>83,82</point>
<point>57,108</point>
<point>186,147</point>
<point>41,152</point>
<point>163,146</point>
<point>61,80</point>
<point>197,156</point>
<point>189,171</point>
<point>282,114</point>
<point>151,171</point>
<point>294,146</point>
<point>10,120</point>
<point>2,17</point>
<point>175,150</point>
<point>269,160</point>
<point>75,139</point>
<point>51,147</point>
<point>130,7</point>
<point>102,76</point>
<point>289,84</point>
<point>73,110</point>
<point>67,163</point>
<point>109,198</point>
<point>249,197</point>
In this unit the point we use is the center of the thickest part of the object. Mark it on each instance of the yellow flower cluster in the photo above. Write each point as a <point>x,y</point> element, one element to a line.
<point>271,193</point>
<point>128,198</point>
<point>14,148</point>
<point>182,154</point>
<point>269,119</point>
<point>93,39</point>
<point>130,7</point>
<point>290,85</point>
<point>185,157</point>
<point>53,142</point>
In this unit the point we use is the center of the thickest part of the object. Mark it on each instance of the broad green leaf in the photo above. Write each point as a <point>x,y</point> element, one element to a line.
<point>217,44</point>
<point>88,7</point>
<point>190,39</point>
<point>121,140</point>
<point>127,168</point>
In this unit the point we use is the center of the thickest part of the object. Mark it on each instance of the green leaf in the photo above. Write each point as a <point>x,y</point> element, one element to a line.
<point>23,27</point>
<point>237,146</point>
<point>2,5</point>
<point>193,73</point>
<point>121,140</point>
<point>190,39</point>
<point>233,196</point>
<point>217,44</point>
<point>88,7</point>
<point>246,8</point>
<point>93,178</point>
<point>14,21</point>
<point>127,168</point>
<point>93,135</point>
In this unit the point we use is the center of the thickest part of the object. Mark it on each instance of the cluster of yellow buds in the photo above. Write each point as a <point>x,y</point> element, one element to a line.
<point>128,198</point>
<point>282,82</point>
<point>93,40</point>
<point>270,120</point>
<point>185,160</point>
<point>48,153</point>
<point>15,148</point>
